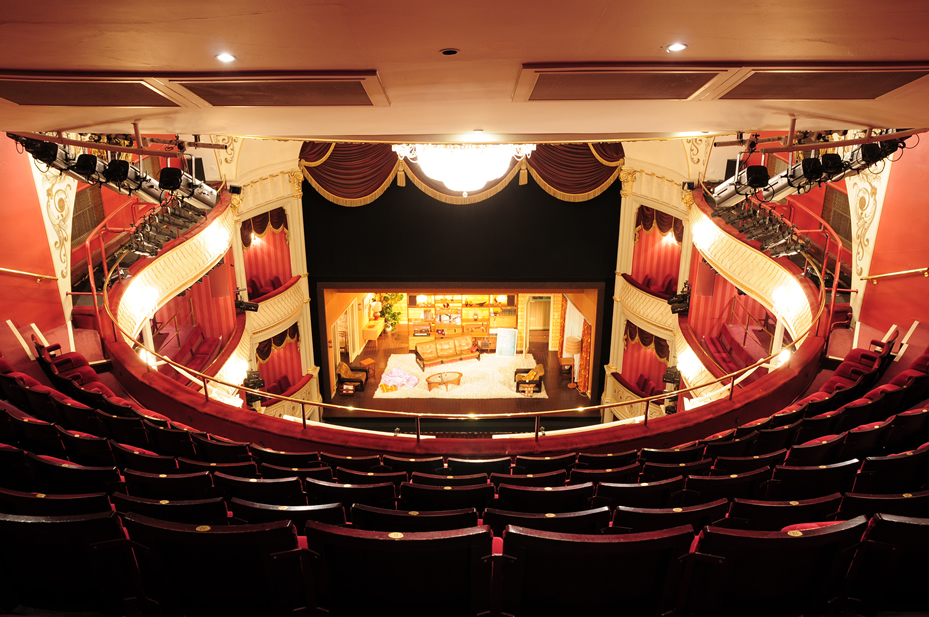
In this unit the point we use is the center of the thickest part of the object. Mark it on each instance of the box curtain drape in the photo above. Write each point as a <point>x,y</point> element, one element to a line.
<point>357,174</point>
<point>277,341</point>
<point>648,340</point>
<point>646,218</point>
<point>275,220</point>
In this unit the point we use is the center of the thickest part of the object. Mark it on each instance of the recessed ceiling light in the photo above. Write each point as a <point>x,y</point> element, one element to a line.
<point>448,52</point>
<point>675,47</point>
<point>225,57</point>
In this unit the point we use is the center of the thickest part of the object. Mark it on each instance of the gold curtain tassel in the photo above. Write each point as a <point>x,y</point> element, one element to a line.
<point>401,178</point>
<point>523,173</point>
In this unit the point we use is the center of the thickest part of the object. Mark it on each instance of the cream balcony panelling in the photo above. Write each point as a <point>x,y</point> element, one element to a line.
<point>295,410</point>
<point>753,272</point>
<point>260,193</point>
<point>173,271</point>
<point>655,190</point>
<point>280,309</point>
<point>622,395</point>
<point>263,157</point>
<point>646,310</point>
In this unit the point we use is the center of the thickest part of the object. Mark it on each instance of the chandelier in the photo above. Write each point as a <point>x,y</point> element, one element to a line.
<point>464,167</point>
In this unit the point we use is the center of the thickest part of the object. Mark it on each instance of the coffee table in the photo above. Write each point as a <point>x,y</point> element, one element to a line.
<point>443,379</point>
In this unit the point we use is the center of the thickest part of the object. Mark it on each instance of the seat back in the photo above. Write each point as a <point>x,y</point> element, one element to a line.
<point>591,521</point>
<point>409,465</point>
<point>220,451</point>
<point>900,504</point>
<point>702,489</point>
<point>216,569</point>
<point>728,465</point>
<point>892,565</point>
<point>284,459</point>
<point>280,491</point>
<point>545,499</point>
<point>448,480</point>
<point>41,504</point>
<point>542,464</point>
<point>610,460</point>
<point>760,515</point>
<point>195,511</point>
<point>787,572</point>
<point>551,478</point>
<point>381,519</point>
<point>252,512</point>
<point>643,495</point>
<point>673,456</point>
<point>197,485</point>
<point>421,497</point>
<point>627,473</point>
<point>440,571</point>
<point>636,520</point>
<point>85,579</point>
<point>559,574</point>
<point>369,477</point>
<point>464,467</point>
<point>357,463</point>
<point>378,495</point>
<point>808,482</point>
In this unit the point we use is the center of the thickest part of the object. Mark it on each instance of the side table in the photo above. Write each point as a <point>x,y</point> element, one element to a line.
<point>369,365</point>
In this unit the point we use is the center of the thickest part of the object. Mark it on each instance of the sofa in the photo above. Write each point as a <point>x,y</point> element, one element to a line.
<point>446,351</point>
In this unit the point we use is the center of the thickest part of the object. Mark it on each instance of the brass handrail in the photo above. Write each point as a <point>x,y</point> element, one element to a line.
<point>873,278</point>
<point>39,277</point>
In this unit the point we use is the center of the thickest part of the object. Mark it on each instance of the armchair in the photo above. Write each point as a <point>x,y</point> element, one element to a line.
<point>533,376</point>
<point>357,375</point>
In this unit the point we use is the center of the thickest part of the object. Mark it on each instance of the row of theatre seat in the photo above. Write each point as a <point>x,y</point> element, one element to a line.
<point>639,505</point>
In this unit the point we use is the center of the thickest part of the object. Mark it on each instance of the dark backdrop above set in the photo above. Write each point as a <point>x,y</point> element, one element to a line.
<point>365,223</point>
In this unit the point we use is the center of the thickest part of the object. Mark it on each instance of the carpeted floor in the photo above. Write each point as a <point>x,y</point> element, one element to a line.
<point>489,377</point>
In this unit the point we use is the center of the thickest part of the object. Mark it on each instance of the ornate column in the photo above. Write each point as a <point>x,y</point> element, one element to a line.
<point>865,202</point>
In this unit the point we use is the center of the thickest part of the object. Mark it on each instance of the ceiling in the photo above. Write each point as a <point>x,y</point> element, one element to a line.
<point>536,70</point>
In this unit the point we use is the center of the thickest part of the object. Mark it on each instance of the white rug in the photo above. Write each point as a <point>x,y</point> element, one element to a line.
<point>489,377</point>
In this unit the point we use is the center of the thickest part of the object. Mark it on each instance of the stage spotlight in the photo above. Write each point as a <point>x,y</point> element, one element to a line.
<point>116,171</point>
<point>170,178</point>
<point>832,164</point>
<point>888,147</point>
<point>242,305</point>
<point>46,152</point>
<point>86,165</point>
<point>870,153</point>
<point>756,176</point>
<point>812,169</point>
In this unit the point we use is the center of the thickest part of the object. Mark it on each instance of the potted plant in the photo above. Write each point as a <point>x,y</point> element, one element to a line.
<point>389,310</point>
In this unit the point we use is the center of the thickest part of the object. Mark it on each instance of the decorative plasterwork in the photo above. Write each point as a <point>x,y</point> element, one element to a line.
<point>753,272</point>
<point>56,193</point>
<point>697,150</point>
<point>628,412</point>
<point>261,194</point>
<point>645,310</point>
<point>173,271</point>
<point>228,159</point>
<point>655,191</point>
<point>865,202</point>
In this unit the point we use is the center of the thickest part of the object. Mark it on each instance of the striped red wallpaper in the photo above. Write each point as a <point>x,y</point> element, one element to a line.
<point>269,257</point>
<point>655,255</point>
<point>708,314</point>
<point>639,360</point>
<point>282,361</point>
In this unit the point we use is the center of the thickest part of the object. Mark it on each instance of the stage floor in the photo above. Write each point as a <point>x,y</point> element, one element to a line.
<point>560,396</point>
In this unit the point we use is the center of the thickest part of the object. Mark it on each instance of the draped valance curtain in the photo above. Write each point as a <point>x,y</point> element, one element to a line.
<point>277,341</point>
<point>648,340</point>
<point>647,218</point>
<point>357,174</point>
<point>275,220</point>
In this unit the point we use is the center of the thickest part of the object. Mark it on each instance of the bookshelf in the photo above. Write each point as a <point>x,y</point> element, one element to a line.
<point>433,316</point>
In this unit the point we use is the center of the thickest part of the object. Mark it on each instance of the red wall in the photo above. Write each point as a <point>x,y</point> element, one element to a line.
<point>708,314</point>
<point>901,245</point>
<point>639,360</point>
<point>283,361</point>
<point>654,256</point>
<point>24,246</point>
<point>269,257</point>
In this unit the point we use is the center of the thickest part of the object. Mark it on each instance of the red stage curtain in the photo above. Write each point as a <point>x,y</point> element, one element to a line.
<point>357,174</point>
<point>647,217</point>
<point>647,339</point>
<point>572,171</point>
<point>352,174</point>
<point>277,341</point>
<point>583,374</point>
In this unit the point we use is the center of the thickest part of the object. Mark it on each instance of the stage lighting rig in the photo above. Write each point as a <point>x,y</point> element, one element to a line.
<point>680,303</point>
